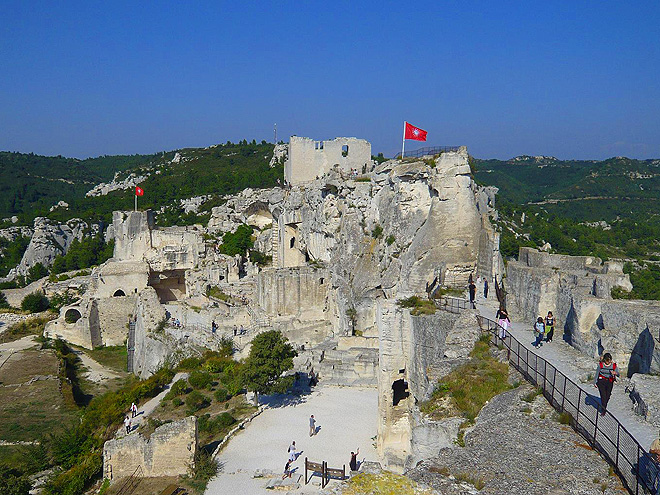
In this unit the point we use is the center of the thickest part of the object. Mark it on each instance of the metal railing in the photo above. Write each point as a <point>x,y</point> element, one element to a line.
<point>130,346</point>
<point>451,304</point>
<point>429,150</point>
<point>637,468</point>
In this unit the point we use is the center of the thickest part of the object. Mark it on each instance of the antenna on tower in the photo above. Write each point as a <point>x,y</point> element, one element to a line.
<point>275,133</point>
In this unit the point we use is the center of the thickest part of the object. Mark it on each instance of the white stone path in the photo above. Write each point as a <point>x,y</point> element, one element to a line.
<point>348,417</point>
<point>577,367</point>
<point>147,408</point>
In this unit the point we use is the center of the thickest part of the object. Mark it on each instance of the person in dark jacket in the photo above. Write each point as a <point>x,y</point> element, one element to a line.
<point>606,374</point>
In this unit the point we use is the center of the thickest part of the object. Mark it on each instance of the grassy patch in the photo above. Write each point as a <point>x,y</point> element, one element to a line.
<point>532,395</point>
<point>213,291</point>
<point>30,326</point>
<point>113,357</point>
<point>385,483</point>
<point>418,306</point>
<point>475,481</point>
<point>471,385</point>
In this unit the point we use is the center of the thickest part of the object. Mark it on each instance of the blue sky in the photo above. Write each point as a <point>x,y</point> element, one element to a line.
<point>571,79</point>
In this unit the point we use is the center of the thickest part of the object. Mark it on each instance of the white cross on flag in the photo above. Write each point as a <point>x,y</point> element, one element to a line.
<point>415,133</point>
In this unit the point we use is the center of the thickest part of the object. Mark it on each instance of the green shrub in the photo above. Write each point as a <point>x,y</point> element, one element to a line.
<point>177,402</point>
<point>35,302</point>
<point>419,306</point>
<point>61,299</point>
<point>390,240</point>
<point>36,272</point>
<point>377,232</point>
<point>238,242</point>
<point>189,364</point>
<point>180,387</point>
<point>200,379</point>
<point>221,395</point>
<point>215,425</point>
<point>3,301</point>
<point>196,401</point>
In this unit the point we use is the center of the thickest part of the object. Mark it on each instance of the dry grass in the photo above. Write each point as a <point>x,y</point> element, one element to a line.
<point>470,385</point>
<point>114,357</point>
<point>30,326</point>
<point>385,483</point>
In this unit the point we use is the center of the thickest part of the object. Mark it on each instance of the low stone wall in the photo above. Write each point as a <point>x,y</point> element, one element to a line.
<point>170,451</point>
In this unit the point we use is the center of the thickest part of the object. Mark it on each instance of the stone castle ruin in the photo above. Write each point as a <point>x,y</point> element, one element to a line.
<point>348,238</point>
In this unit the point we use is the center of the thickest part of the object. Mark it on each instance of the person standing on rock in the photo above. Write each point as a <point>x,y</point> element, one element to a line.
<point>503,321</point>
<point>473,292</point>
<point>353,464</point>
<point>134,410</point>
<point>606,374</point>
<point>485,288</point>
<point>539,331</point>
<point>312,426</point>
<point>549,327</point>
<point>127,424</point>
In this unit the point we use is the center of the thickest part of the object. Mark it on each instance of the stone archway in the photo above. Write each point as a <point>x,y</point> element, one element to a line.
<point>119,293</point>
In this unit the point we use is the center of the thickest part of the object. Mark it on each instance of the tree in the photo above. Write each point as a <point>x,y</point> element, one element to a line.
<point>237,242</point>
<point>3,301</point>
<point>35,302</point>
<point>270,356</point>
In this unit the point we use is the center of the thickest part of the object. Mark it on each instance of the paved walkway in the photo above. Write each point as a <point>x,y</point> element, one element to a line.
<point>347,417</point>
<point>577,367</point>
<point>147,408</point>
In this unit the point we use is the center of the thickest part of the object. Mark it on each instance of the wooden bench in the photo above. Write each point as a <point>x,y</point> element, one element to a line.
<point>335,473</point>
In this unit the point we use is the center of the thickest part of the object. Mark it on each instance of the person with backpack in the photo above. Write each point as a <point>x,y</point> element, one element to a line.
<point>606,374</point>
<point>539,332</point>
<point>549,327</point>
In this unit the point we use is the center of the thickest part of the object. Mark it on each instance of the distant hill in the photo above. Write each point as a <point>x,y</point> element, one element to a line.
<point>585,190</point>
<point>32,184</point>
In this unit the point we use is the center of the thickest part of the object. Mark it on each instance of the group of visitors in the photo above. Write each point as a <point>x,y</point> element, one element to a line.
<point>128,421</point>
<point>293,455</point>
<point>544,329</point>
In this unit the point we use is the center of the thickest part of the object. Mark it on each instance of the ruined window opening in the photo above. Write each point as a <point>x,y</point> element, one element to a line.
<point>292,242</point>
<point>399,391</point>
<point>321,281</point>
<point>402,370</point>
<point>344,150</point>
<point>72,315</point>
<point>119,293</point>
<point>135,290</point>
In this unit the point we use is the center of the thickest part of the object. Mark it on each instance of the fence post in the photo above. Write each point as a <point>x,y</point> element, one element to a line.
<point>618,431</point>
<point>577,415</point>
<point>596,427</point>
<point>554,378</point>
<point>637,473</point>
<point>563,395</point>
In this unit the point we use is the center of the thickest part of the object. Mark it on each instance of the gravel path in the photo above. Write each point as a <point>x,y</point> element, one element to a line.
<point>578,367</point>
<point>347,417</point>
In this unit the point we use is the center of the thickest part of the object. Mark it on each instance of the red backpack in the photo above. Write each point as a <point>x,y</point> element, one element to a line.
<point>610,378</point>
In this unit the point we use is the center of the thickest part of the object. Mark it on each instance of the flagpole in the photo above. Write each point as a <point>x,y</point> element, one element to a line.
<point>135,201</point>
<point>403,141</point>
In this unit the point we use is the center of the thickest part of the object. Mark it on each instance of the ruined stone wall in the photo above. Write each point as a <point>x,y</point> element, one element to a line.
<point>170,451</point>
<point>116,277</point>
<point>577,291</point>
<point>309,159</point>
<point>112,314</point>
<point>152,346</point>
<point>295,291</point>
<point>132,233</point>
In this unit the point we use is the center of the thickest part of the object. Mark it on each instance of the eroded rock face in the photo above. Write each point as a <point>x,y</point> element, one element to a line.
<point>518,448</point>
<point>50,239</point>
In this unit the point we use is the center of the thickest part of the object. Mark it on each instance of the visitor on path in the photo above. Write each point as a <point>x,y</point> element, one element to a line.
<point>134,410</point>
<point>353,463</point>
<point>312,426</point>
<point>214,327</point>
<point>503,321</point>
<point>287,470</point>
<point>127,424</point>
<point>606,374</point>
<point>539,332</point>
<point>473,292</point>
<point>485,288</point>
<point>549,327</point>
<point>292,451</point>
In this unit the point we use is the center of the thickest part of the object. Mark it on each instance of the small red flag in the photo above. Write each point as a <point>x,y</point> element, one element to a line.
<point>139,191</point>
<point>415,133</point>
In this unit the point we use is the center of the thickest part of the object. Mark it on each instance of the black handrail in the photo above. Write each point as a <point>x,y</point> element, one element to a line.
<point>131,482</point>
<point>638,470</point>
<point>451,304</point>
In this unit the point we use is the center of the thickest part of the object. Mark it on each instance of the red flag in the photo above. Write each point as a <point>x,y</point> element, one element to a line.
<point>415,133</point>
<point>139,191</point>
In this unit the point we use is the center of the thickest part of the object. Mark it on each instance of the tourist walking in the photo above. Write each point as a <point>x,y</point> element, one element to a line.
<point>539,332</point>
<point>353,462</point>
<point>549,327</point>
<point>312,426</point>
<point>473,291</point>
<point>606,374</point>
<point>503,321</point>
<point>127,424</point>
<point>485,288</point>
<point>134,410</point>
<point>292,451</point>
<point>287,470</point>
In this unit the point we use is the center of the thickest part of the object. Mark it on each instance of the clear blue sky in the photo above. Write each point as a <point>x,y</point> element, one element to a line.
<point>574,79</point>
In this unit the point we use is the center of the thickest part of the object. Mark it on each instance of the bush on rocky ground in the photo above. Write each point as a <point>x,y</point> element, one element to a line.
<point>36,302</point>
